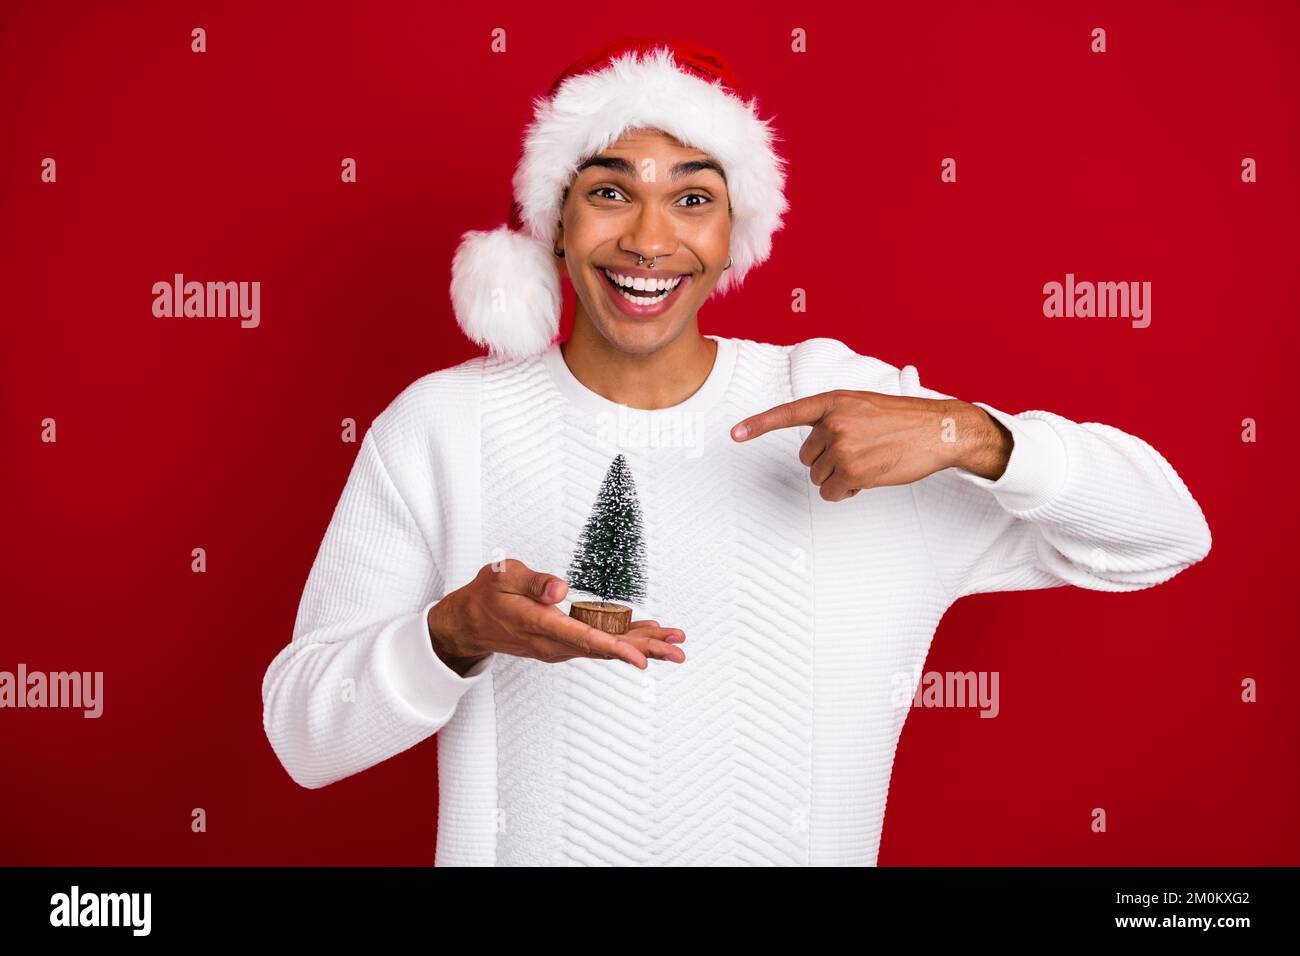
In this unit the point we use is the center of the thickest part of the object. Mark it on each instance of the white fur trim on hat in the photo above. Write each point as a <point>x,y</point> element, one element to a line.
<point>505,284</point>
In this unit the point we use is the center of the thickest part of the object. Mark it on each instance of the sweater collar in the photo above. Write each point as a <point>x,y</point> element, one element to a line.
<point>704,397</point>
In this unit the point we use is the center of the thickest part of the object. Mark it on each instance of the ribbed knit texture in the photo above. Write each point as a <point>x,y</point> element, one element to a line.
<point>773,744</point>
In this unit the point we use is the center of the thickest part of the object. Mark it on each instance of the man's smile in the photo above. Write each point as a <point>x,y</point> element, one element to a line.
<point>638,292</point>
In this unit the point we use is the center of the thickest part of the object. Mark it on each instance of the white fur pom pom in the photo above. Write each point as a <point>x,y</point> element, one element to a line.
<point>505,290</point>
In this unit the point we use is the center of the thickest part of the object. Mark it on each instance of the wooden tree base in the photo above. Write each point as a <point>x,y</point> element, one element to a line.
<point>606,616</point>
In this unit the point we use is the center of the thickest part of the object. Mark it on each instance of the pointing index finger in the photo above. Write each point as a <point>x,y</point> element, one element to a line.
<point>802,411</point>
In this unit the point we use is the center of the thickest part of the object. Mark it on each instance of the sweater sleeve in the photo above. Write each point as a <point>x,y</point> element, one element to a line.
<point>360,681</point>
<point>1079,503</point>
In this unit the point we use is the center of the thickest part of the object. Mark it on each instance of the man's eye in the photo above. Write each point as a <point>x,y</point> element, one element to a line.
<point>690,205</point>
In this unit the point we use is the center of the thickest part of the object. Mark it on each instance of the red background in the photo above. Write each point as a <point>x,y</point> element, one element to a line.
<point>176,434</point>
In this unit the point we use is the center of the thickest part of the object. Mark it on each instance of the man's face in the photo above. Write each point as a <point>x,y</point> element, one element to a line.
<point>642,195</point>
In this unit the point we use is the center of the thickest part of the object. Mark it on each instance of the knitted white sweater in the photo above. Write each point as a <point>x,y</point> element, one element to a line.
<point>773,743</point>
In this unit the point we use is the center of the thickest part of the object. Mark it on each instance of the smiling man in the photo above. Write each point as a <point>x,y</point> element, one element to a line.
<point>643,252</point>
<point>804,552</point>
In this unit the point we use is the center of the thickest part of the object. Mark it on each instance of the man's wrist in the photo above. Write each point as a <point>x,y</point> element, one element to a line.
<point>983,444</point>
<point>443,638</point>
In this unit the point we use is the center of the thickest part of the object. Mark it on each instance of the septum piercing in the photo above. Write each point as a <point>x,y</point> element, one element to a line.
<point>640,259</point>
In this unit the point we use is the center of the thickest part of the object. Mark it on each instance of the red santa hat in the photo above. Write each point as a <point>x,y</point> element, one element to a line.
<point>505,287</point>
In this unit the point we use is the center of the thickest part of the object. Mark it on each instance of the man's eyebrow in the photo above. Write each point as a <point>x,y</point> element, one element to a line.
<point>682,170</point>
<point>623,167</point>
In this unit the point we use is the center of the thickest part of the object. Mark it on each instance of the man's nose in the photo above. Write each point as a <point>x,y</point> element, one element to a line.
<point>652,233</point>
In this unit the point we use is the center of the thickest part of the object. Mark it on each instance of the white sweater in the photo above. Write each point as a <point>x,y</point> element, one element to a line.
<point>774,742</point>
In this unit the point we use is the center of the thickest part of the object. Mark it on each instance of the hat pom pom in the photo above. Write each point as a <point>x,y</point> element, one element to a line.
<point>506,292</point>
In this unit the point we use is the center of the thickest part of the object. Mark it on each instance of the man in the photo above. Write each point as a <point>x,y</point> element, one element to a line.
<point>810,513</point>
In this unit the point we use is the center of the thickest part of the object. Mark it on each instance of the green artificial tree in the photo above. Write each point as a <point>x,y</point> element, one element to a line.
<point>610,558</point>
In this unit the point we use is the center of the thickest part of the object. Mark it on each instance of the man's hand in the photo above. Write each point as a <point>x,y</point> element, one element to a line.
<point>509,608</point>
<point>867,439</point>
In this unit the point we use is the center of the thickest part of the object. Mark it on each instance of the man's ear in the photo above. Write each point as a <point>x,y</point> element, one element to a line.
<point>561,262</point>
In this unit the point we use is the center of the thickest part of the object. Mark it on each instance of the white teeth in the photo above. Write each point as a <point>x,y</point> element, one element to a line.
<point>642,300</point>
<point>642,284</point>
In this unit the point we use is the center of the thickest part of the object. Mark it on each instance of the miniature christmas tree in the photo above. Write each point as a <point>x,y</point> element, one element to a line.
<point>610,558</point>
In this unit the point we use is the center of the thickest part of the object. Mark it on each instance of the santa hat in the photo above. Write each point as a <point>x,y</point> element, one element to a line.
<point>505,287</point>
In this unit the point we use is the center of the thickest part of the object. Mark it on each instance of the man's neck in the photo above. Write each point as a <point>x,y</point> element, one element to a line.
<point>661,379</point>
